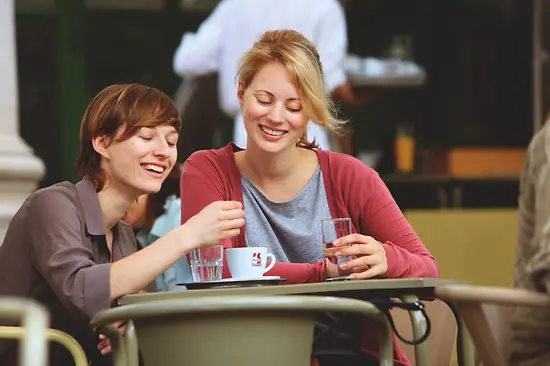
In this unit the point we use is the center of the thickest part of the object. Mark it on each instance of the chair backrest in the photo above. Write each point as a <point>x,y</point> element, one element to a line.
<point>487,313</point>
<point>499,318</point>
<point>34,319</point>
<point>442,336</point>
<point>52,335</point>
<point>243,330</point>
<point>34,332</point>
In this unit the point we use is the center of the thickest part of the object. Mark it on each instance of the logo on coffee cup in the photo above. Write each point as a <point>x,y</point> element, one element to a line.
<point>256,260</point>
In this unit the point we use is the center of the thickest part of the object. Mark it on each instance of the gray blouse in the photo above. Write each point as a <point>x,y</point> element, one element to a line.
<point>290,230</point>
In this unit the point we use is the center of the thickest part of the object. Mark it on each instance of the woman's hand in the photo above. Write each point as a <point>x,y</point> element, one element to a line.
<point>104,345</point>
<point>370,256</point>
<point>215,223</point>
<point>331,269</point>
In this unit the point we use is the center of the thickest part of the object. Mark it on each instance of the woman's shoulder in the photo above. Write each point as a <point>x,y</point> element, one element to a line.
<point>209,168</point>
<point>214,157</point>
<point>56,194</point>
<point>345,165</point>
<point>50,205</point>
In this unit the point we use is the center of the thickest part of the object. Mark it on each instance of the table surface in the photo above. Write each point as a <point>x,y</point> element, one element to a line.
<point>372,288</point>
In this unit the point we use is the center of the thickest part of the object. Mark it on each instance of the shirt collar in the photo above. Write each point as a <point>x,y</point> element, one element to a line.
<point>90,204</point>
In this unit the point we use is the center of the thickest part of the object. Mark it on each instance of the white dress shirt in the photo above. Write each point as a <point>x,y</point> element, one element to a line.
<point>234,26</point>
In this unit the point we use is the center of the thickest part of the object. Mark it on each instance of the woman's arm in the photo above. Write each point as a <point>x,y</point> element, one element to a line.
<point>533,249</point>
<point>378,216</point>
<point>202,182</point>
<point>61,257</point>
<point>84,286</point>
<point>407,255</point>
<point>216,222</point>
<point>199,53</point>
<point>299,272</point>
<point>331,39</point>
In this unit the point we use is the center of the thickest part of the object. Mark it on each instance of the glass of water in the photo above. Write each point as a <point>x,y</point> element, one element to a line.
<point>332,230</point>
<point>207,263</point>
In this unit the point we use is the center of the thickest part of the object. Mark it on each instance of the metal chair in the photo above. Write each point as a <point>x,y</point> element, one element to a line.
<point>34,332</point>
<point>230,330</point>
<point>442,336</point>
<point>486,313</point>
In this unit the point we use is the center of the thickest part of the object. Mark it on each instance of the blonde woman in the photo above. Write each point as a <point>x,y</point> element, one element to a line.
<point>288,186</point>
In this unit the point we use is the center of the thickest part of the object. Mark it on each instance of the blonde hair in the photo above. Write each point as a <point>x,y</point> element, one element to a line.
<point>301,59</point>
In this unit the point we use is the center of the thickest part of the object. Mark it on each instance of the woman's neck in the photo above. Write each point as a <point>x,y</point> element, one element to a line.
<point>266,166</point>
<point>113,205</point>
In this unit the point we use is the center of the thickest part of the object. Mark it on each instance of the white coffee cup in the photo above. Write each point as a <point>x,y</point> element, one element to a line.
<point>248,262</point>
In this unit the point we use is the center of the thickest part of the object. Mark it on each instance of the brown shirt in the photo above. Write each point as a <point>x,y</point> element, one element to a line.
<point>532,269</point>
<point>55,252</point>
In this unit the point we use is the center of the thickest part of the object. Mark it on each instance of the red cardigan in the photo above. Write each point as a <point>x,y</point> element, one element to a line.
<point>353,190</point>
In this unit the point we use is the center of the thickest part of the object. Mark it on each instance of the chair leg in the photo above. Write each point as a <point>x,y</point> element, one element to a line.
<point>419,326</point>
<point>467,346</point>
<point>53,335</point>
<point>478,326</point>
<point>131,344</point>
<point>464,346</point>
<point>122,356</point>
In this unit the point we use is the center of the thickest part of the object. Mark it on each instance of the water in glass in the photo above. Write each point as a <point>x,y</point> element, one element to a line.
<point>333,229</point>
<point>207,271</point>
<point>207,264</point>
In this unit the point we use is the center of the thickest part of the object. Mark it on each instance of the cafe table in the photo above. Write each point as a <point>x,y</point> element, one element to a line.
<point>406,289</point>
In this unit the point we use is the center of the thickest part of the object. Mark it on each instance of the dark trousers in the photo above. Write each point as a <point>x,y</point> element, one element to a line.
<point>337,338</point>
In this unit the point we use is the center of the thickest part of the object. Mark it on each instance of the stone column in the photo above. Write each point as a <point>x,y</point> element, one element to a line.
<point>20,170</point>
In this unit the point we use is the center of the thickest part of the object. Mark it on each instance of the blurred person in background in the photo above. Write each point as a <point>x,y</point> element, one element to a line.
<point>531,347</point>
<point>67,248</point>
<point>202,119</point>
<point>153,216</point>
<point>234,26</point>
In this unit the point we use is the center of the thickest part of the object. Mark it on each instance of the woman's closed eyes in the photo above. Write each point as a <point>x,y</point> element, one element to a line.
<point>268,103</point>
<point>147,134</point>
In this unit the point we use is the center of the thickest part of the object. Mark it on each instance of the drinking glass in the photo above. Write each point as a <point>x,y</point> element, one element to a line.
<point>334,229</point>
<point>207,263</point>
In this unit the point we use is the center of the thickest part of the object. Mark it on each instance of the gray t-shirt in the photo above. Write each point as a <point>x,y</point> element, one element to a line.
<point>290,230</point>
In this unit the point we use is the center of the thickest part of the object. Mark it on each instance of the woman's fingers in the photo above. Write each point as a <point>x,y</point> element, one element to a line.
<point>373,271</point>
<point>104,346</point>
<point>352,239</point>
<point>360,263</point>
<point>232,224</point>
<point>332,269</point>
<point>369,256</point>
<point>331,252</point>
<point>232,214</point>
<point>229,205</point>
<point>228,234</point>
<point>356,250</point>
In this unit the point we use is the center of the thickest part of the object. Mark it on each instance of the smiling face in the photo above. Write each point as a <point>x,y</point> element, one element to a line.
<point>139,164</point>
<point>272,110</point>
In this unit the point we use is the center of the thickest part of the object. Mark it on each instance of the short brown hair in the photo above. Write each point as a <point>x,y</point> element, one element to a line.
<point>121,109</point>
<point>301,59</point>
